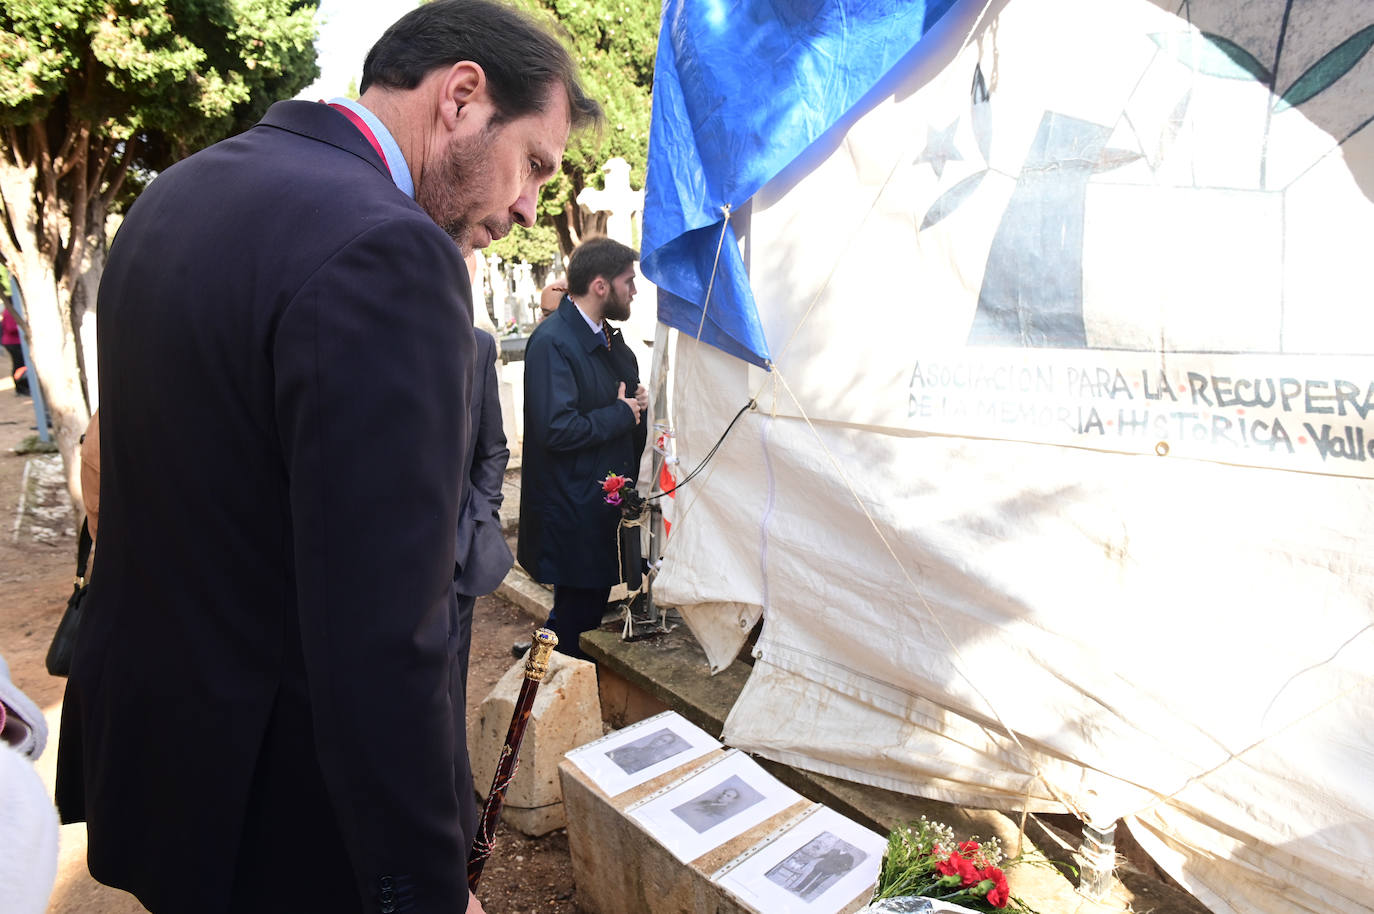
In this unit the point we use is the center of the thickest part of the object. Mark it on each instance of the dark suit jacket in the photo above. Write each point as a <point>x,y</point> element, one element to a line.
<point>482,557</point>
<point>267,655</point>
<point>576,432</point>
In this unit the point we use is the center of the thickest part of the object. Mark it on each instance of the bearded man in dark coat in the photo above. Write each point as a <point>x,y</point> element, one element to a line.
<point>584,412</point>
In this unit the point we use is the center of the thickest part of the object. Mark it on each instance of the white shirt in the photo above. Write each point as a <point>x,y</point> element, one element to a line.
<point>596,328</point>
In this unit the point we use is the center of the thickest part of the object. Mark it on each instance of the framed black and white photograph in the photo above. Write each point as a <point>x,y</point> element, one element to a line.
<point>631,756</point>
<point>713,805</point>
<point>818,866</point>
<point>656,747</point>
<point>718,803</point>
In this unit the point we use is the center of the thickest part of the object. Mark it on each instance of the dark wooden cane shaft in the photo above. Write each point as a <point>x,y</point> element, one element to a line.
<point>485,839</point>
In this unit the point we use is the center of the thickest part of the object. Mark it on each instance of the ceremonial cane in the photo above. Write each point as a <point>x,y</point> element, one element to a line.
<point>535,667</point>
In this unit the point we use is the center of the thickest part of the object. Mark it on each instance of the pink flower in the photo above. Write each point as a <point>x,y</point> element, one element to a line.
<point>612,485</point>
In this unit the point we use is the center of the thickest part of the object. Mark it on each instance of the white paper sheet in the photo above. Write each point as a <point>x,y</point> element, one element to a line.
<point>710,807</point>
<point>817,866</point>
<point>642,751</point>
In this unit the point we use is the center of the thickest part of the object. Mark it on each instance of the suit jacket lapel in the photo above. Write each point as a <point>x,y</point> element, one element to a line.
<point>323,123</point>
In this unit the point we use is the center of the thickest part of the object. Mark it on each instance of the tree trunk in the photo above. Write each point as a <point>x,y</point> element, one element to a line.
<point>53,344</point>
<point>83,305</point>
<point>53,353</point>
<point>53,349</point>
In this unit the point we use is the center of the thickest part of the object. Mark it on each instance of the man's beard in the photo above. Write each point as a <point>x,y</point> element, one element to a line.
<point>448,187</point>
<point>615,308</point>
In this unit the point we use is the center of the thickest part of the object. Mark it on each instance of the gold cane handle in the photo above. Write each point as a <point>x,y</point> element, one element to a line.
<point>541,648</point>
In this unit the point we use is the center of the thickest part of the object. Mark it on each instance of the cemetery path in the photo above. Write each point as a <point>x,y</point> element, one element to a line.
<point>524,877</point>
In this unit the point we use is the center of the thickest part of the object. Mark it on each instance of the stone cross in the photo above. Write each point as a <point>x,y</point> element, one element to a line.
<point>618,201</point>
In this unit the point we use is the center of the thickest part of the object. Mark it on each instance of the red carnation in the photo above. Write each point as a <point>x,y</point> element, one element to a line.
<point>957,865</point>
<point>999,893</point>
<point>969,848</point>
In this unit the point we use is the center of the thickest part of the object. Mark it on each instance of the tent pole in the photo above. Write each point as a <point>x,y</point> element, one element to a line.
<point>1098,852</point>
<point>658,399</point>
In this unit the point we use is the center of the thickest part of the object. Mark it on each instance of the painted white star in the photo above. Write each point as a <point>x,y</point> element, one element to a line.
<point>940,148</point>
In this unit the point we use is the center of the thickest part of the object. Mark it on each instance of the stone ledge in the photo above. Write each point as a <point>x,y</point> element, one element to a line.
<point>672,669</point>
<point>530,596</point>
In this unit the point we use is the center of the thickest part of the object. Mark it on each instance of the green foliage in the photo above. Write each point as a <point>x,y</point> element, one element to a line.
<point>535,245</point>
<point>179,73</point>
<point>924,859</point>
<point>96,97</point>
<point>613,42</point>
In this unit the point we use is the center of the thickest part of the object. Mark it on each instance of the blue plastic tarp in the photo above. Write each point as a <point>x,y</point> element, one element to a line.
<point>741,89</point>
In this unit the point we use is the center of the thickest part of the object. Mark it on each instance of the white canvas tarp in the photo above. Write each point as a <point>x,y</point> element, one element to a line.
<point>1056,494</point>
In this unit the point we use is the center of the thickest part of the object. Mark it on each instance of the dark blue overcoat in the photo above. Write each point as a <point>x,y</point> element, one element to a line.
<point>576,432</point>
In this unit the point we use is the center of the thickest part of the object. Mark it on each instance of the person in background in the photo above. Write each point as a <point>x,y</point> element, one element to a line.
<point>584,407</point>
<point>264,708</point>
<point>90,472</point>
<point>551,297</point>
<point>481,555</point>
<point>9,338</point>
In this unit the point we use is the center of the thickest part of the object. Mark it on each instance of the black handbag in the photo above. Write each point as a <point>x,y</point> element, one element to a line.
<point>59,659</point>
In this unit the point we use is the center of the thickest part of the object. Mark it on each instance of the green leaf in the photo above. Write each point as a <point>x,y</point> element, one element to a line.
<point>536,245</point>
<point>1212,55</point>
<point>1335,64</point>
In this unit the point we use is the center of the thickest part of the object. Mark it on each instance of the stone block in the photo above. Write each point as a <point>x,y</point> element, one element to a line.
<point>530,596</point>
<point>618,868</point>
<point>622,703</point>
<point>566,714</point>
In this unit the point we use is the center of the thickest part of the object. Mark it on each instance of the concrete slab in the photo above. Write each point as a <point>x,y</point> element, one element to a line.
<point>622,703</point>
<point>530,596</point>
<point>672,669</point>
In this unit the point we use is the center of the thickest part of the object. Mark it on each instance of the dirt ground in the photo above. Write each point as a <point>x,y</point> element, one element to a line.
<point>523,877</point>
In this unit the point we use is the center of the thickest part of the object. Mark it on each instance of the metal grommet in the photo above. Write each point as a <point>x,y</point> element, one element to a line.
<point>1162,448</point>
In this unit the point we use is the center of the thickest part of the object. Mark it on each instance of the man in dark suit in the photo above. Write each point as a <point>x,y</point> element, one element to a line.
<point>583,410</point>
<point>481,556</point>
<point>261,715</point>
